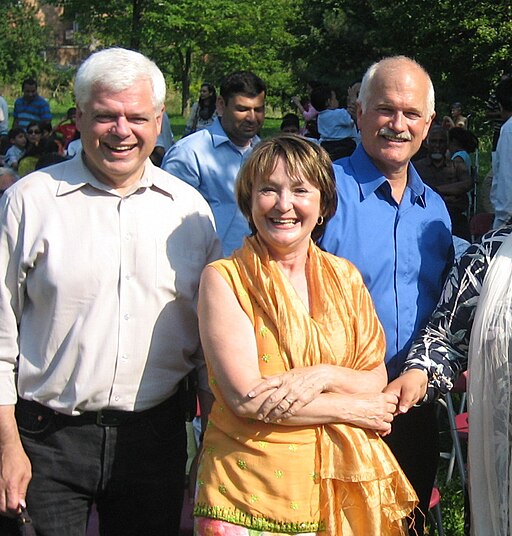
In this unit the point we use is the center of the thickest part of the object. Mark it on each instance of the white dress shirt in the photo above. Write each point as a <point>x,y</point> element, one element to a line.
<point>98,292</point>
<point>501,189</point>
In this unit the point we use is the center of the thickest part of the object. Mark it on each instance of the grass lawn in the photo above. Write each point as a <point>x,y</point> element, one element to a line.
<point>270,127</point>
<point>452,497</point>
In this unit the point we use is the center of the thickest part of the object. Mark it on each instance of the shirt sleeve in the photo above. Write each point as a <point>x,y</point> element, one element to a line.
<point>309,114</point>
<point>15,110</point>
<point>46,115</point>
<point>182,163</point>
<point>501,190</point>
<point>442,347</point>
<point>12,277</point>
<point>344,117</point>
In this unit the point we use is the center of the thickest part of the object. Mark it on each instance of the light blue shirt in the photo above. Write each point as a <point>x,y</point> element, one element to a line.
<point>4,116</point>
<point>403,251</point>
<point>209,161</point>
<point>501,189</point>
<point>166,137</point>
<point>335,125</point>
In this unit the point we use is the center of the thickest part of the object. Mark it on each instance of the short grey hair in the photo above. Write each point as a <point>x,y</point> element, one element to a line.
<point>7,177</point>
<point>117,69</point>
<point>8,171</point>
<point>365,92</point>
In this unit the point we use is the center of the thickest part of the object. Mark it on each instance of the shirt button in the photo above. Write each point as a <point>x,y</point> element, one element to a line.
<point>116,398</point>
<point>124,356</point>
<point>127,316</point>
<point>128,276</point>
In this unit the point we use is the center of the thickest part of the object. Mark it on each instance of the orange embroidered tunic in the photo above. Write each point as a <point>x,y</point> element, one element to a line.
<point>335,478</point>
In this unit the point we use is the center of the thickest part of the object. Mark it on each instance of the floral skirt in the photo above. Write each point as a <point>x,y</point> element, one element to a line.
<point>204,526</point>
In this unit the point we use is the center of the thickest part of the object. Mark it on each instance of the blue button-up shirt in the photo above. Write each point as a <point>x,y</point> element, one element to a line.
<point>402,250</point>
<point>209,161</point>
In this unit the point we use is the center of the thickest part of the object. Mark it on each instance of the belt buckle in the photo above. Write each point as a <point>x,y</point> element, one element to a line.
<point>99,418</point>
<point>108,417</point>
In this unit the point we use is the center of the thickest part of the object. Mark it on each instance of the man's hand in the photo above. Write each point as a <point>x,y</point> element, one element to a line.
<point>410,387</point>
<point>15,469</point>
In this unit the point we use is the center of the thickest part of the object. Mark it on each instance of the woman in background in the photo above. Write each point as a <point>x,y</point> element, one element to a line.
<point>203,111</point>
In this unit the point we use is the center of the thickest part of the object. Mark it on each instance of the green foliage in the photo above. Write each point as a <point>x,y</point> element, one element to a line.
<point>465,44</point>
<point>452,505</point>
<point>193,40</point>
<point>22,43</point>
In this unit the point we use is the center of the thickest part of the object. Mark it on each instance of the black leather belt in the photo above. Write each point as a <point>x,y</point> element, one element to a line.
<point>103,417</point>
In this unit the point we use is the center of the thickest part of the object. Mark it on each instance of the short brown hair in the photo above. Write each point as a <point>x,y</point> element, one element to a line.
<point>303,159</point>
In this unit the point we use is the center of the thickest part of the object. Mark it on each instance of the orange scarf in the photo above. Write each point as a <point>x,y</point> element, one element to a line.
<point>362,489</point>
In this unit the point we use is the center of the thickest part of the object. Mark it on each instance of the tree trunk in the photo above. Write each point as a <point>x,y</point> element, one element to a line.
<point>185,79</point>
<point>137,13</point>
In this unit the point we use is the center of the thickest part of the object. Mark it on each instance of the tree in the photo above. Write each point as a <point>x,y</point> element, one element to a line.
<point>194,39</point>
<point>22,42</point>
<point>331,41</point>
<point>464,44</point>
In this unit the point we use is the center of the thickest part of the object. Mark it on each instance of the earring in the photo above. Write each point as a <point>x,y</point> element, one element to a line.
<point>320,220</point>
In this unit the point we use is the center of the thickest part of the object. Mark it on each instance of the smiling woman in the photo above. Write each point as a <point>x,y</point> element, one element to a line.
<point>295,360</point>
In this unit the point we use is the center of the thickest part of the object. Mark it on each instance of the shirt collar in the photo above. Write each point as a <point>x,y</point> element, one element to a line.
<point>74,174</point>
<point>370,177</point>
<point>219,136</point>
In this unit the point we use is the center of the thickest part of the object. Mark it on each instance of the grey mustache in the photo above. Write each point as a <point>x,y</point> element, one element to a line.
<point>404,136</point>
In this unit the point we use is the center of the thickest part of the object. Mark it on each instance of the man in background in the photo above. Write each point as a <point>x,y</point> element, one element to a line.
<point>30,106</point>
<point>449,178</point>
<point>501,189</point>
<point>209,159</point>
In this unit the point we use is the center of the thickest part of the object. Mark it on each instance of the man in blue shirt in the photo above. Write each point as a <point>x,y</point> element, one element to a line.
<point>209,159</point>
<point>30,106</point>
<point>396,230</point>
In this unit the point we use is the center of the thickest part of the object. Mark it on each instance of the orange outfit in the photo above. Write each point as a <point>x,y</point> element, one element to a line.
<point>335,478</point>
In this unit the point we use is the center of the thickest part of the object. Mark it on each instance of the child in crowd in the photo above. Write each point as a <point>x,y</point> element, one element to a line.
<point>461,143</point>
<point>16,151</point>
<point>335,125</point>
<point>65,131</point>
<point>291,124</point>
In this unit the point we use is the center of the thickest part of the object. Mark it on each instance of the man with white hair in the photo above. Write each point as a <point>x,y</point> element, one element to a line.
<point>100,259</point>
<point>7,178</point>
<point>396,230</point>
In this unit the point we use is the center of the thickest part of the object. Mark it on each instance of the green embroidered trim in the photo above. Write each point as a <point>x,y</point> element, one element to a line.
<point>265,357</point>
<point>253,522</point>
